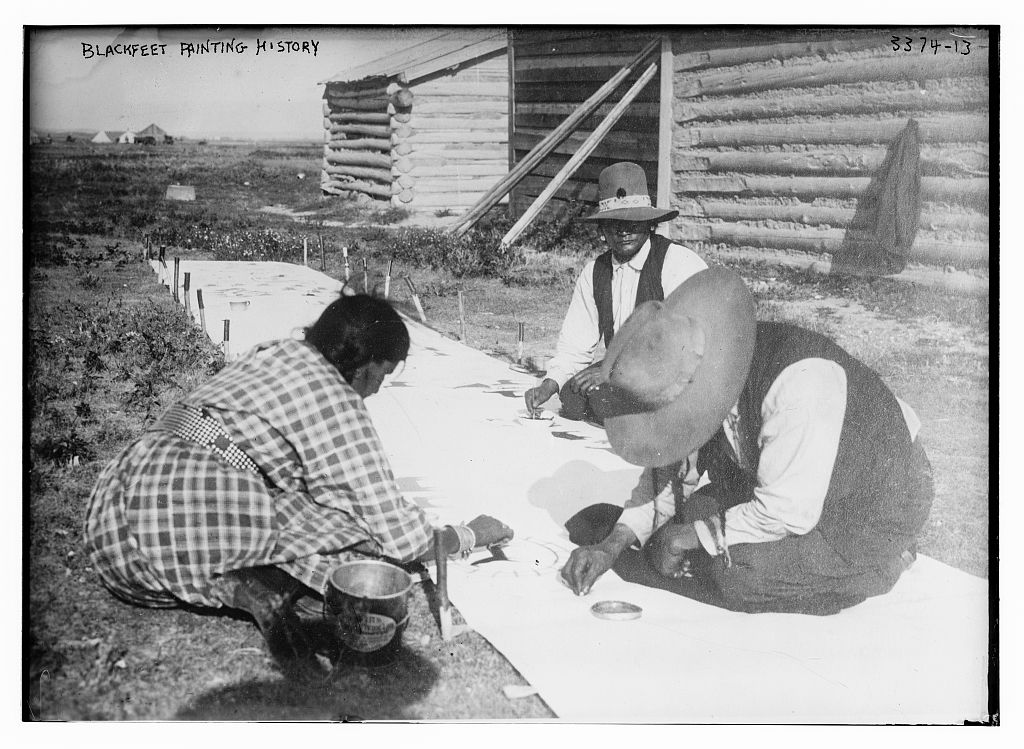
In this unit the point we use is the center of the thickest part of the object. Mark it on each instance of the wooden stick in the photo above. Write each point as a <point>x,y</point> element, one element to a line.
<point>323,256</point>
<point>549,142</point>
<point>227,340</point>
<point>462,318</point>
<point>177,267</point>
<point>519,346</point>
<point>202,310</point>
<point>387,279</point>
<point>185,287</point>
<point>344,253</point>
<point>366,278</point>
<point>149,247</point>
<point>585,150</point>
<point>305,252</point>
<point>416,300</point>
<point>444,613</point>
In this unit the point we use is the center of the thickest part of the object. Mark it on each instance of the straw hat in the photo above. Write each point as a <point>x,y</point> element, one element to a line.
<point>622,196</point>
<point>676,368</point>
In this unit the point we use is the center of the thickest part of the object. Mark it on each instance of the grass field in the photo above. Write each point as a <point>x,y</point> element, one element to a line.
<point>108,350</point>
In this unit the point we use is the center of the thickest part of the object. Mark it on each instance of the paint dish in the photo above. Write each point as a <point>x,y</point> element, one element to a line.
<point>616,611</point>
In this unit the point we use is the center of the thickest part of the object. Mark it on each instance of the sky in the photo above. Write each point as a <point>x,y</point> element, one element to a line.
<point>253,93</point>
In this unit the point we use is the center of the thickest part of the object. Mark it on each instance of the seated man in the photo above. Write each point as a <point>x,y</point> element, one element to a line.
<point>639,266</point>
<point>813,484</point>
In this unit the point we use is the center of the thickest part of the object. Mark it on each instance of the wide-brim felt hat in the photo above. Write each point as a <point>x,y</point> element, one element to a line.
<point>676,368</point>
<point>623,196</point>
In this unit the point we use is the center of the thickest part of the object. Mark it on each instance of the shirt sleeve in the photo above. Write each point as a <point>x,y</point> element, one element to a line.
<point>802,419</point>
<point>580,335</point>
<point>680,264</point>
<point>653,502</point>
<point>347,469</point>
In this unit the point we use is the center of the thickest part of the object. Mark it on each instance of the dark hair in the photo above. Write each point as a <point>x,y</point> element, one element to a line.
<point>357,329</point>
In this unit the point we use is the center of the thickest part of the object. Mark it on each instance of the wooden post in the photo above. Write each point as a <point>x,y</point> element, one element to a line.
<point>177,267</point>
<point>550,141</point>
<point>149,248</point>
<point>580,156</point>
<point>305,252</point>
<point>366,278</point>
<point>344,253</point>
<point>462,318</point>
<point>202,310</point>
<point>416,299</point>
<point>323,257</point>
<point>664,199</point>
<point>387,279</point>
<point>227,340</point>
<point>185,288</point>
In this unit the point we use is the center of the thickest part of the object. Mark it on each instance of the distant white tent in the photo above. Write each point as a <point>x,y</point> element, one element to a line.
<point>127,136</point>
<point>101,137</point>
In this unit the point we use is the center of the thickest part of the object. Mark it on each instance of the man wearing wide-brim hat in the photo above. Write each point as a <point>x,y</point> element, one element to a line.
<point>639,266</point>
<point>783,475</point>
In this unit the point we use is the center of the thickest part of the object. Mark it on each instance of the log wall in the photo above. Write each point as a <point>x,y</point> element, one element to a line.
<point>777,132</point>
<point>436,143</point>
<point>555,72</point>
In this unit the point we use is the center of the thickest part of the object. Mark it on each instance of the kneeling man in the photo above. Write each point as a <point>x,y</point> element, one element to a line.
<point>780,467</point>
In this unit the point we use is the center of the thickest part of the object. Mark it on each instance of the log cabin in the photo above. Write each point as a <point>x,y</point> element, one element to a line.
<point>424,129</point>
<point>766,137</point>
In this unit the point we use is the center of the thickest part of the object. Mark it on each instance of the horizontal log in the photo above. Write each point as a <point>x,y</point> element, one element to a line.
<point>955,128</point>
<point>357,158</point>
<point>445,89</point>
<point>717,58</point>
<point>946,98</point>
<point>370,105</point>
<point>454,136</point>
<point>961,254</point>
<point>935,161</point>
<point>364,118</point>
<point>448,107</point>
<point>368,188</point>
<point>364,144</point>
<point>622,146</point>
<point>402,117</point>
<point>496,167</point>
<point>888,66</point>
<point>361,172</point>
<point>812,215</point>
<point>932,188</point>
<point>427,124</point>
<point>459,152</point>
<point>465,183</point>
<point>376,131</point>
<point>343,91</point>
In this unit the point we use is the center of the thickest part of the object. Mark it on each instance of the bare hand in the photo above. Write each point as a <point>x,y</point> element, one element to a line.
<point>588,379</point>
<point>585,565</point>
<point>670,546</point>
<point>538,395</point>
<point>490,531</point>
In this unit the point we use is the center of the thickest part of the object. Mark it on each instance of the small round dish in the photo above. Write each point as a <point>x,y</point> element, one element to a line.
<point>541,418</point>
<point>616,611</point>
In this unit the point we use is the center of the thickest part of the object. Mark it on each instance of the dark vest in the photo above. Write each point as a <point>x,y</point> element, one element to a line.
<point>648,287</point>
<point>868,513</point>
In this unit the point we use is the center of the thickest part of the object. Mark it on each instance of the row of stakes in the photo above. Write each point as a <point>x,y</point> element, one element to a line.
<point>519,365</point>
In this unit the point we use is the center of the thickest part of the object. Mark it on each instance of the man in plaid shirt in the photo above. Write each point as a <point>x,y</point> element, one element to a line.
<point>260,482</point>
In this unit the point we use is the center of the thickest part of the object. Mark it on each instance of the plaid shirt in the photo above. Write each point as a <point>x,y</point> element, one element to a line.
<point>168,516</point>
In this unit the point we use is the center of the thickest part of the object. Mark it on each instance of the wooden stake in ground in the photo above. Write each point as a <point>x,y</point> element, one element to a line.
<point>387,279</point>
<point>305,252</point>
<point>366,278</point>
<point>344,254</point>
<point>148,250</point>
<point>177,268</point>
<point>416,299</point>
<point>580,156</point>
<point>202,310</point>
<point>227,340</point>
<point>185,286</point>
<point>323,257</point>
<point>519,366</point>
<point>462,318</point>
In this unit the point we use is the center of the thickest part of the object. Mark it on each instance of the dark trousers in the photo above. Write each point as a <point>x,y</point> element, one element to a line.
<point>576,405</point>
<point>796,574</point>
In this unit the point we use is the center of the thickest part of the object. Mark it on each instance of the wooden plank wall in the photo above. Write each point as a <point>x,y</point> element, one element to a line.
<point>457,147</point>
<point>555,72</point>
<point>777,132</point>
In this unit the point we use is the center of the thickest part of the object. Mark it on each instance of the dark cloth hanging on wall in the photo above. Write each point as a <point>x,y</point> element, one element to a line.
<point>879,238</point>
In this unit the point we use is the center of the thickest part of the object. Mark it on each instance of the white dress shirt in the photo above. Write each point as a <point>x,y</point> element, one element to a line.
<point>581,336</point>
<point>802,418</point>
